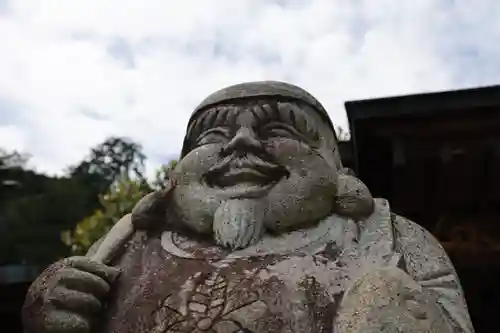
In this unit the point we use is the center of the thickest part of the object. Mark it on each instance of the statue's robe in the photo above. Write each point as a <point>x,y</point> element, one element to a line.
<point>290,283</point>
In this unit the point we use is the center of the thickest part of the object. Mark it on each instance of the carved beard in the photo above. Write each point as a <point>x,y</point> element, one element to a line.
<point>238,223</point>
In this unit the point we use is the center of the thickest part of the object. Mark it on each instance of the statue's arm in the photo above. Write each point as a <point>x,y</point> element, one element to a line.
<point>94,247</point>
<point>426,261</point>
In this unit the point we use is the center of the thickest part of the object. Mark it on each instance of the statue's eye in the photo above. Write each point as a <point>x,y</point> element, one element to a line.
<point>214,135</point>
<point>278,130</point>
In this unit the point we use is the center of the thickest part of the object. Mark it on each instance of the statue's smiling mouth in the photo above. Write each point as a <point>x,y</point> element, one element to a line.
<point>246,175</point>
<point>248,170</point>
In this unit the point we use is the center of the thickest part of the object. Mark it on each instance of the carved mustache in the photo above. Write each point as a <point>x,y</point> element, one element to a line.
<point>264,171</point>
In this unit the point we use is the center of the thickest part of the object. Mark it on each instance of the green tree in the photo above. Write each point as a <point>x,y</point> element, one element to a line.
<point>163,174</point>
<point>119,200</point>
<point>10,164</point>
<point>35,208</point>
<point>35,216</point>
<point>110,161</point>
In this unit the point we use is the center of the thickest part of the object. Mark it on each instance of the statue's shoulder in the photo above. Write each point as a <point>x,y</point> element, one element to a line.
<point>93,248</point>
<point>413,234</point>
<point>139,239</point>
<point>422,252</point>
<point>409,230</point>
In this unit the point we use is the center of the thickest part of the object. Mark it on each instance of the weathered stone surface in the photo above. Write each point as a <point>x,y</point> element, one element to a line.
<point>262,230</point>
<point>389,300</point>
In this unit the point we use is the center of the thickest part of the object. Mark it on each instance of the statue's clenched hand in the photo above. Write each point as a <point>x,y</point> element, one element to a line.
<point>75,295</point>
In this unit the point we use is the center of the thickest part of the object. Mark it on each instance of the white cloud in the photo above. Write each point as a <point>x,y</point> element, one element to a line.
<point>82,70</point>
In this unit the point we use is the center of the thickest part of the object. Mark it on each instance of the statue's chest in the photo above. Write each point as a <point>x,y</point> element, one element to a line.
<point>283,284</point>
<point>271,293</point>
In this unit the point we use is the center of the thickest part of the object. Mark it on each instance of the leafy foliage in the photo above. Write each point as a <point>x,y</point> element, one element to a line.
<point>118,201</point>
<point>110,161</point>
<point>36,208</point>
<point>33,215</point>
<point>163,174</point>
<point>33,210</point>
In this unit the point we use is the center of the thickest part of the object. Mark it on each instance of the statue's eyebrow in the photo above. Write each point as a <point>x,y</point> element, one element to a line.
<point>291,113</point>
<point>288,112</point>
<point>214,117</point>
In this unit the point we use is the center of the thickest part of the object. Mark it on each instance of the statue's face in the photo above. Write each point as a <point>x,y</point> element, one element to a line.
<point>253,168</point>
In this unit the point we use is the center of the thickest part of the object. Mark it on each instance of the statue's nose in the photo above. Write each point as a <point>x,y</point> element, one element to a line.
<point>244,141</point>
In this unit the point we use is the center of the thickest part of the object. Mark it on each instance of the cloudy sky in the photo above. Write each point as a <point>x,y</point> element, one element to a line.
<point>75,72</point>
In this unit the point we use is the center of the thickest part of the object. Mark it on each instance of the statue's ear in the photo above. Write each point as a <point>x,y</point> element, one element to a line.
<point>150,212</point>
<point>353,198</point>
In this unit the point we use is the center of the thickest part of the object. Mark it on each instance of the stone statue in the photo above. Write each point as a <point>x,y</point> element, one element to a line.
<point>261,229</point>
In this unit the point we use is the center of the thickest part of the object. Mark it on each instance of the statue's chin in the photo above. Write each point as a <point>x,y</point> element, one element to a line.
<point>238,223</point>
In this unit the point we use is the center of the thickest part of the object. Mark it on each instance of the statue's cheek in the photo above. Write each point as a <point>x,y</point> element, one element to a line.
<point>287,150</point>
<point>198,161</point>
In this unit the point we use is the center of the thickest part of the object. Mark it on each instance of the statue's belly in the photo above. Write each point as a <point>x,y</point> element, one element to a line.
<point>267,294</point>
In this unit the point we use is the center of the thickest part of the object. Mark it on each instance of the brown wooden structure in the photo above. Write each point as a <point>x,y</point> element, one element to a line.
<point>436,157</point>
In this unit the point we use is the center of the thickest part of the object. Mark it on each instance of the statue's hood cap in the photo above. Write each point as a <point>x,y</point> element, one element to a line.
<point>263,89</point>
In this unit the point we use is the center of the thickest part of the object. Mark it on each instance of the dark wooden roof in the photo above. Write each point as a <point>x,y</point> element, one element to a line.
<point>369,115</point>
<point>423,103</point>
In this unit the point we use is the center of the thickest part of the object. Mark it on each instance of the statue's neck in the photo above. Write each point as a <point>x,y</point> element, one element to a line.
<point>307,239</point>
